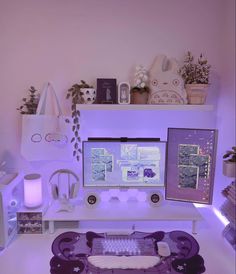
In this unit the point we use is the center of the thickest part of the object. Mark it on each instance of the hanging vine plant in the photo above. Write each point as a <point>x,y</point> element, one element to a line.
<point>75,94</point>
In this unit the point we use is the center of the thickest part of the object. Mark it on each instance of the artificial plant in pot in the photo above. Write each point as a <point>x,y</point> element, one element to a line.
<point>140,90</point>
<point>229,163</point>
<point>76,96</point>
<point>196,78</point>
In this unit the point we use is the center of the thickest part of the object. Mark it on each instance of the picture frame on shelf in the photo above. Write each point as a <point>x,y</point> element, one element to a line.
<point>106,91</point>
<point>124,93</point>
<point>190,164</point>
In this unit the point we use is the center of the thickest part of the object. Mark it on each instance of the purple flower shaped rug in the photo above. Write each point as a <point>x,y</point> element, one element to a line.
<point>93,253</point>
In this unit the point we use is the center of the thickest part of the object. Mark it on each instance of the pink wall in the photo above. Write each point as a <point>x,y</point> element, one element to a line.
<point>66,41</point>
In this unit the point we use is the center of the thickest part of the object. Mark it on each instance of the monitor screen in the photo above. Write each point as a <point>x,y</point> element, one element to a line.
<point>114,163</point>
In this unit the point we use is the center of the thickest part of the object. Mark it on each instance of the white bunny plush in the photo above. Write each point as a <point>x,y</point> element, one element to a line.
<point>166,85</point>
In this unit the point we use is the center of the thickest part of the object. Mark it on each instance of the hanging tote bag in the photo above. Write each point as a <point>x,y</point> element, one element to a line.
<point>47,134</point>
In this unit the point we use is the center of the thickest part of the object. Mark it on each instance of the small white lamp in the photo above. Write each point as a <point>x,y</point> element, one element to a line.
<point>33,190</point>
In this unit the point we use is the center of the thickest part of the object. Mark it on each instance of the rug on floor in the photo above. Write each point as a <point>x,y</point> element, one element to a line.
<point>71,251</point>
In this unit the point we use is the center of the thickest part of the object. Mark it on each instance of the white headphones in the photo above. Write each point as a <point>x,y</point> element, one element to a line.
<point>73,187</point>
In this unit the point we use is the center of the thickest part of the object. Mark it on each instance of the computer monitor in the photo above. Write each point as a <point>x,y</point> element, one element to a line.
<point>124,162</point>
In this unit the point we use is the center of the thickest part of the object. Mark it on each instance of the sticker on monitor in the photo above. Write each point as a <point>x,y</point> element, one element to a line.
<point>96,153</point>
<point>148,153</point>
<point>201,161</point>
<point>185,150</point>
<point>129,151</point>
<point>98,172</point>
<point>188,176</point>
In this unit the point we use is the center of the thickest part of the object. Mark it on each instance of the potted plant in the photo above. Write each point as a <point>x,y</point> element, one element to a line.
<point>140,91</point>
<point>30,103</point>
<point>196,78</point>
<point>78,96</point>
<point>229,163</point>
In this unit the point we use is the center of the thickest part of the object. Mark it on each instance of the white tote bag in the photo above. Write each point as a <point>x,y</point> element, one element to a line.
<point>47,134</point>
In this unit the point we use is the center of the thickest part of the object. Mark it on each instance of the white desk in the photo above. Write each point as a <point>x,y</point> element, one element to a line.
<point>126,211</point>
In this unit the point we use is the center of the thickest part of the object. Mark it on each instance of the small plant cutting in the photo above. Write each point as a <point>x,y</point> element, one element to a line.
<point>229,163</point>
<point>30,103</point>
<point>76,98</point>
<point>140,90</point>
<point>195,73</point>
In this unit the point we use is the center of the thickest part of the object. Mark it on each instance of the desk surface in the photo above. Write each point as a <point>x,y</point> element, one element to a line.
<point>125,211</point>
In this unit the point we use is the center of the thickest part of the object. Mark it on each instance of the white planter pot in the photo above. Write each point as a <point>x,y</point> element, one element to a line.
<point>88,95</point>
<point>196,93</point>
<point>229,169</point>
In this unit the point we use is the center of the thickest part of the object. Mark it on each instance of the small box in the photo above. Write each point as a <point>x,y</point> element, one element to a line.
<point>29,223</point>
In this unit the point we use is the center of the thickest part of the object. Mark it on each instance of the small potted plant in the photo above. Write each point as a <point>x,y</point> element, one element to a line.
<point>30,103</point>
<point>78,95</point>
<point>229,163</point>
<point>196,78</point>
<point>140,91</point>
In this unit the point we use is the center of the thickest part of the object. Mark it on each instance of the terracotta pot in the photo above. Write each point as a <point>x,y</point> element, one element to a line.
<point>229,169</point>
<point>196,93</point>
<point>139,98</point>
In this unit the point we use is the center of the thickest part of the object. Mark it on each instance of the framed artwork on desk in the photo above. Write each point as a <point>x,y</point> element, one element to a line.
<point>106,91</point>
<point>190,164</point>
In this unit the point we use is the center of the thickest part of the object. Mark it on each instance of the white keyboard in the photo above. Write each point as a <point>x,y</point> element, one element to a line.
<point>124,262</point>
<point>123,246</point>
<point>119,246</point>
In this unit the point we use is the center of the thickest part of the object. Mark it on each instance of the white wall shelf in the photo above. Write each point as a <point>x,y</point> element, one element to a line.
<point>144,107</point>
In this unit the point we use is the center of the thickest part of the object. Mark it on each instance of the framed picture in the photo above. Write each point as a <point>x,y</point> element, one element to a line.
<point>106,91</point>
<point>29,223</point>
<point>124,93</point>
<point>190,165</point>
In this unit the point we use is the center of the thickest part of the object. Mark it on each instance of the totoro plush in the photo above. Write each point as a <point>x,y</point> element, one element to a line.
<point>166,85</point>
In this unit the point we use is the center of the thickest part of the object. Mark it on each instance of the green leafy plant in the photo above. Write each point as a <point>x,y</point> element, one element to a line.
<point>230,155</point>
<point>75,94</point>
<point>195,73</point>
<point>30,103</point>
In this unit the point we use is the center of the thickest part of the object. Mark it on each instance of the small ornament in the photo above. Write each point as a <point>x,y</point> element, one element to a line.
<point>124,93</point>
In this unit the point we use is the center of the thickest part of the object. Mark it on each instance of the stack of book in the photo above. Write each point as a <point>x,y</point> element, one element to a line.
<point>228,209</point>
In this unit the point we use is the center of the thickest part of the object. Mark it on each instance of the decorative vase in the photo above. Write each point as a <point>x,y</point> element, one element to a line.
<point>138,97</point>
<point>229,169</point>
<point>196,93</point>
<point>87,95</point>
